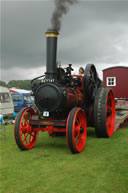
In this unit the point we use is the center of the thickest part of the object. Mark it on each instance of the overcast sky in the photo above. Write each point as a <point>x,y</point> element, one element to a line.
<point>92,32</point>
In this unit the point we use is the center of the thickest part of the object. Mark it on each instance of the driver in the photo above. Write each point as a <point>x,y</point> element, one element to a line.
<point>81,71</point>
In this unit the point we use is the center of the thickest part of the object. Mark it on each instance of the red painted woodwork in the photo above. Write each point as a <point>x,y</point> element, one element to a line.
<point>121,74</point>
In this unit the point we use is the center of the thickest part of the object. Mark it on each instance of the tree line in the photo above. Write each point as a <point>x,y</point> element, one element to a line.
<point>19,84</point>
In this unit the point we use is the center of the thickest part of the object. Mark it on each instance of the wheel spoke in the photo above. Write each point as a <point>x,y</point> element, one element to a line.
<point>81,121</point>
<point>31,138</point>
<point>25,117</point>
<point>25,137</point>
<point>77,120</point>
<point>26,141</point>
<point>20,131</point>
<point>77,137</point>
<point>77,126</point>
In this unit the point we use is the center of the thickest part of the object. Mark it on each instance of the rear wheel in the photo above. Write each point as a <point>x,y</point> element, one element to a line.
<point>25,136</point>
<point>76,130</point>
<point>104,112</point>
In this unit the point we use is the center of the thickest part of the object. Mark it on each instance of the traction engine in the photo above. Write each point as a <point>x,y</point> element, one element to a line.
<point>65,104</point>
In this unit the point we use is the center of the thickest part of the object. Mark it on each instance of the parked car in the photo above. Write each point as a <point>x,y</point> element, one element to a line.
<point>21,100</point>
<point>6,103</point>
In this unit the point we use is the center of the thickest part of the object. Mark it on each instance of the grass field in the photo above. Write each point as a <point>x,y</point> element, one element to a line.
<point>51,168</point>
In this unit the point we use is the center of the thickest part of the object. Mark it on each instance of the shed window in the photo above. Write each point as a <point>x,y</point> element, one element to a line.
<point>111,81</point>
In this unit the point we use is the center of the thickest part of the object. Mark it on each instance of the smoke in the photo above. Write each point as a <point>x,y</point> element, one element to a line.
<point>61,8</point>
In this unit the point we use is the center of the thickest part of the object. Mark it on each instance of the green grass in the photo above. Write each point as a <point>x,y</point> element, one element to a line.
<point>51,168</point>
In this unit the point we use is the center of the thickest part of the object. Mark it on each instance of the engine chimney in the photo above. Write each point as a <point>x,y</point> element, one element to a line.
<point>51,54</point>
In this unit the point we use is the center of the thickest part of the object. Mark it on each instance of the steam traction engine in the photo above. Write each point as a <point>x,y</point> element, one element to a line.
<point>65,104</point>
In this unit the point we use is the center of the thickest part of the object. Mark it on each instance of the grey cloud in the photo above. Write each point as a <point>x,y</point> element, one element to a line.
<point>92,32</point>
<point>23,27</point>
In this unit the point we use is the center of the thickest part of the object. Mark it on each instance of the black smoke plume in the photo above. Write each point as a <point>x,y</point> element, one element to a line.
<point>61,8</point>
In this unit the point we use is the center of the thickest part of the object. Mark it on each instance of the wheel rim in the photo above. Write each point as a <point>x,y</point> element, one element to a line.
<point>27,136</point>
<point>110,113</point>
<point>79,130</point>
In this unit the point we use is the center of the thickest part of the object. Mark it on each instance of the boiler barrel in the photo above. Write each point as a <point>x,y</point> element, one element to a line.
<point>54,98</point>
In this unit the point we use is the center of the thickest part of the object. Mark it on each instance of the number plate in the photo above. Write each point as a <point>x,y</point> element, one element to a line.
<point>46,114</point>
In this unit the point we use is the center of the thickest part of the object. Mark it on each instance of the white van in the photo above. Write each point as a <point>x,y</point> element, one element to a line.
<point>6,103</point>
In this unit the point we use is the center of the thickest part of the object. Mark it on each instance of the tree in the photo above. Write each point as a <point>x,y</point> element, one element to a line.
<point>2,83</point>
<point>20,84</point>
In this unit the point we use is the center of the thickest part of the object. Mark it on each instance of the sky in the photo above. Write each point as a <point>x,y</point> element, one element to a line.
<point>93,32</point>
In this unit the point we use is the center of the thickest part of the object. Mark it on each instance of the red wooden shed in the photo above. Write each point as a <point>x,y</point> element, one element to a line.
<point>117,79</point>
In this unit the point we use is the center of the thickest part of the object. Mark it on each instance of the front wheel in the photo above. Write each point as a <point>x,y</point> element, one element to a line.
<point>76,130</point>
<point>25,136</point>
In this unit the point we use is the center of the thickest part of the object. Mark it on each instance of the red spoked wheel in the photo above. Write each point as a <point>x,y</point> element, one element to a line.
<point>76,130</point>
<point>104,112</point>
<point>25,136</point>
